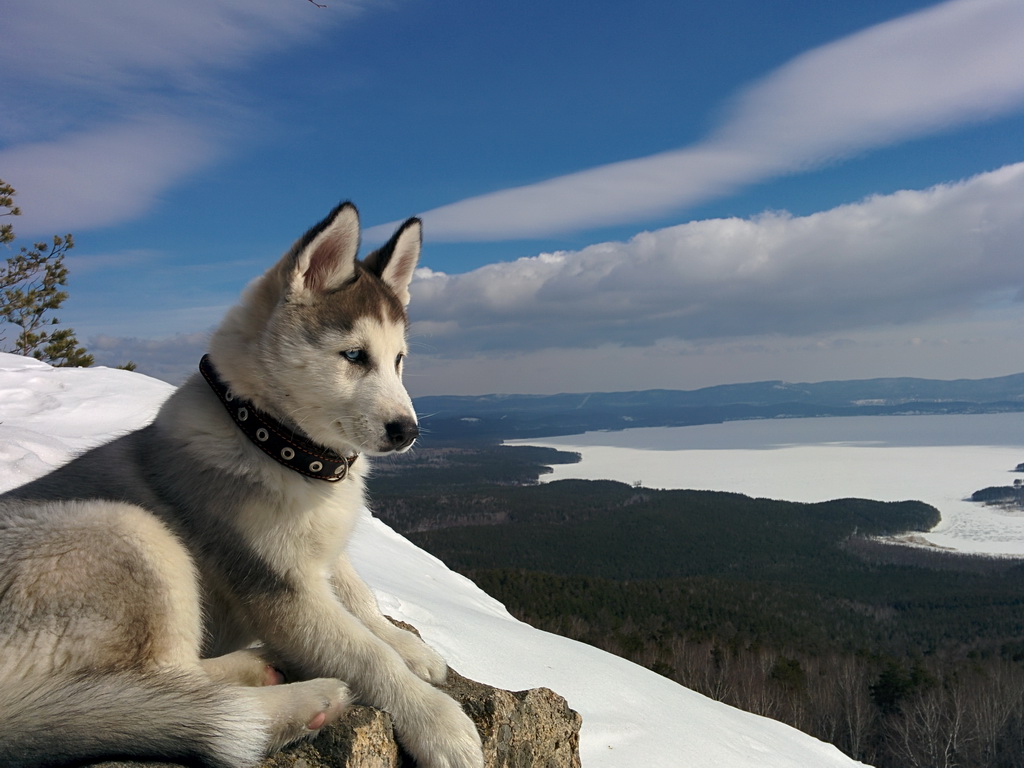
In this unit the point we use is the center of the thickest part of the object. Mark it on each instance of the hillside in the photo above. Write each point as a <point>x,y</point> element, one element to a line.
<point>495,417</point>
<point>633,718</point>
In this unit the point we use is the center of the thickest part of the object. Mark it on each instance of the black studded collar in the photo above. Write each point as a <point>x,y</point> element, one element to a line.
<point>285,445</point>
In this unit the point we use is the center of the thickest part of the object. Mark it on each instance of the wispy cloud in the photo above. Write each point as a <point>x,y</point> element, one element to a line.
<point>103,175</point>
<point>109,46</point>
<point>957,63</point>
<point>892,259</point>
<point>108,103</point>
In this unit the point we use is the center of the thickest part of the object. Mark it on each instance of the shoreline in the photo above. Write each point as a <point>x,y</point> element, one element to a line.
<point>939,460</point>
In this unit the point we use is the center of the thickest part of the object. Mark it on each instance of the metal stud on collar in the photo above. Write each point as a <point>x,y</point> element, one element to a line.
<point>285,445</point>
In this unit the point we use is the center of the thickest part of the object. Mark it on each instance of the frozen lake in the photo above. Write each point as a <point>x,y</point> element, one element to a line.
<point>940,460</point>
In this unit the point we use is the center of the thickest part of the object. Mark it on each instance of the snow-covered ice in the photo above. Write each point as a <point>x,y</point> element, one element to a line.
<point>940,460</point>
<point>632,717</point>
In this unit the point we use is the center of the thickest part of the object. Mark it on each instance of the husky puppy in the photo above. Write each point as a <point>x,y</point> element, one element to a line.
<point>136,580</point>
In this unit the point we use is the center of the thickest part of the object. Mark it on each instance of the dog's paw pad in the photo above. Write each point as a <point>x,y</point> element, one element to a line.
<point>317,722</point>
<point>272,675</point>
<point>334,705</point>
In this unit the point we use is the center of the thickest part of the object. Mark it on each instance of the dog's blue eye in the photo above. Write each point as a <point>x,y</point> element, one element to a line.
<point>355,355</point>
<point>399,359</point>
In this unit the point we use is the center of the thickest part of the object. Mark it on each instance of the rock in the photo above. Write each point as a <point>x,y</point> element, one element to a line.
<point>525,729</point>
<point>363,738</point>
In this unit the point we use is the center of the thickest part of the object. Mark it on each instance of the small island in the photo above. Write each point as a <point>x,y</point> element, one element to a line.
<point>1010,496</point>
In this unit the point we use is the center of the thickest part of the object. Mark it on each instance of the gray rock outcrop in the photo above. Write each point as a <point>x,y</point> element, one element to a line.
<point>524,729</point>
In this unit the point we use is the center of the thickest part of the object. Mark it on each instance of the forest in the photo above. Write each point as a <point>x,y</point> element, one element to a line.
<point>801,612</point>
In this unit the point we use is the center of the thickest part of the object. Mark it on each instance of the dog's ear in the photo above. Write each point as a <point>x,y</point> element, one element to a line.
<point>325,256</point>
<point>395,261</point>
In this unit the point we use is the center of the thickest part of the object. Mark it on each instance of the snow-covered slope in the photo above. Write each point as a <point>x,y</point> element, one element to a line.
<point>632,717</point>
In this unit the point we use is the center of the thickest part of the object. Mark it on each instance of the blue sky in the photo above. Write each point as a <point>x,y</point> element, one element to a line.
<point>615,196</point>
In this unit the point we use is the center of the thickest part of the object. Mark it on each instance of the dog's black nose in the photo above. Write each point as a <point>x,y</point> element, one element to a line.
<point>401,433</point>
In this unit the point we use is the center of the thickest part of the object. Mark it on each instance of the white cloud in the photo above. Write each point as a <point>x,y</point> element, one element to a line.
<point>103,175</point>
<point>107,103</point>
<point>887,260</point>
<point>113,44</point>
<point>956,63</point>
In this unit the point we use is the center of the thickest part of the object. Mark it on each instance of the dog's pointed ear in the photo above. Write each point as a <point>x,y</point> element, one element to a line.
<point>395,262</point>
<point>325,257</point>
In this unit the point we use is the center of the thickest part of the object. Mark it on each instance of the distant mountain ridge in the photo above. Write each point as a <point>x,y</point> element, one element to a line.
<point>495,417</point>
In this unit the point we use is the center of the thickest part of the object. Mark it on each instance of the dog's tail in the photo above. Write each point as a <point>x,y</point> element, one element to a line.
<point>163,716</point>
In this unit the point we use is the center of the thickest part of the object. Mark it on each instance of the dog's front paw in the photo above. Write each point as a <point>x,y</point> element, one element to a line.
<point>300,710</point>
<point>444,738</point>
<point>422,660</point>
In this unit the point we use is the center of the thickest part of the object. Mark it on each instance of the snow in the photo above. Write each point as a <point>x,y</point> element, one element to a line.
<point>632,717</point>
<point>940,460</point>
